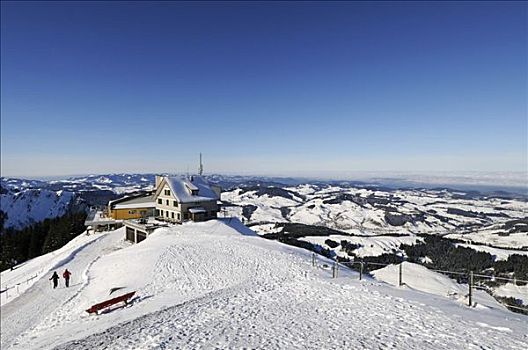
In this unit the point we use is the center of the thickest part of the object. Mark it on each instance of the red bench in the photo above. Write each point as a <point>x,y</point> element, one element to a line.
<point>98,307</point>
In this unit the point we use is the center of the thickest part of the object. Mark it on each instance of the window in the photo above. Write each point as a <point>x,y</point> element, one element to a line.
<point>166,201</point>
<point>167,192</point>
<point>172,215</point>
<point>141,236</point>
<point>161,213</point>
<point>160,201</point>
<point>167,213</point>
<point>174,203</point>
<point>179,218</point>
<point>157,212</point>
<point>131,211</point>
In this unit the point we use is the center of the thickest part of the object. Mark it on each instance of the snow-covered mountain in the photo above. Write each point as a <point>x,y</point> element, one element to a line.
<point>28,206</point>
<point>25,202</point>
<point>217,285</point>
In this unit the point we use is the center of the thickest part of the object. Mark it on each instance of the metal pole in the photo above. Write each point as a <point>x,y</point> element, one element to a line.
<point>470,287</point>
<point>400,275</point>
<point>313,259</point>
<point>336,268</point>
<point>360,270</point>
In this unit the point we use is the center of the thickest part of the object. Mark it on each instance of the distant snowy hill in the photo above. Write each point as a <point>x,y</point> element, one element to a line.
<point>360,212</point>
<point>116,183</point>
<point>217,285</point>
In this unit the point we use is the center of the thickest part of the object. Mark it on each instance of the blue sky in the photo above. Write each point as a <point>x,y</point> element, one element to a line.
<point>263,88</point>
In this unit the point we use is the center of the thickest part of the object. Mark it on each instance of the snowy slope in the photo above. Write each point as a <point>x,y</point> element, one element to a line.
<point>29,206</point>
<point>512,290</point>
<point>420,278</point>
<point>218,285</point>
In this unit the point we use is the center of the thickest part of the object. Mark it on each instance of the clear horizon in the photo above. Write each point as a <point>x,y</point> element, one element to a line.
<point>263,88</point>
<point>463,180</point>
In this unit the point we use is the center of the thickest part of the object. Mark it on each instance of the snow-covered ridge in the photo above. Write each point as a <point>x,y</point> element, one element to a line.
<point>33,205</point>
<point>217,284</point>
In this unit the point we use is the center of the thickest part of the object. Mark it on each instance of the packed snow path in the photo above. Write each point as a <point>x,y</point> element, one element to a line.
<point>40,300</point>
<point>209,286</point>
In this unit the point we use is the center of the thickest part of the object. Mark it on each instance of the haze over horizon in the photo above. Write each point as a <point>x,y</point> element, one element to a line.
<point>263,88</point>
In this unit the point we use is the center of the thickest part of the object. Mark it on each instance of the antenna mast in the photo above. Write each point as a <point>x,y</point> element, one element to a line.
<point>200,169</point>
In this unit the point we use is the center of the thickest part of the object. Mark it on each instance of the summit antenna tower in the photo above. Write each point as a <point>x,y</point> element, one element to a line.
<point>200,168</point>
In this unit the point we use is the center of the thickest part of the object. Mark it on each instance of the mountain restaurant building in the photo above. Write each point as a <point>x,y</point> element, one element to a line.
<point>178,199</point>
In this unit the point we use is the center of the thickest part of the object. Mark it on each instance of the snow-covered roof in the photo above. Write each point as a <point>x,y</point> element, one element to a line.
<point>197,210</point>
<point>149,204</point>
<point>142,201</point>
<point>183,189</point>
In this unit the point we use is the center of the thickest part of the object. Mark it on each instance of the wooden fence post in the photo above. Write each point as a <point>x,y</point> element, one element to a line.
<point>400,276</point>
<point>360,270</point>
<point>470,288</point>
<point>313,259</point>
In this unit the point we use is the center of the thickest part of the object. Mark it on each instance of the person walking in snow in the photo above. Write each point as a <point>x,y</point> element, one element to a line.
<point>55,278</point>
<point>66,276</point>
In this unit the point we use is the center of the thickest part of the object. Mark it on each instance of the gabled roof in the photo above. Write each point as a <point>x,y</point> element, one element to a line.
<point>182,189</point>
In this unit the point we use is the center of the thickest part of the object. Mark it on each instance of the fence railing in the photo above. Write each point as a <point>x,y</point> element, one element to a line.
<point>16,287</point>
<point>469,274</point>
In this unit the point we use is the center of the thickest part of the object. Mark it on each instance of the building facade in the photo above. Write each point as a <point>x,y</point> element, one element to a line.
<point>132,207</point>
<point>178,199</point>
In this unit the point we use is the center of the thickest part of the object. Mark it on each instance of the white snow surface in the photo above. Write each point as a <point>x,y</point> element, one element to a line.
<point>421,278</point>
<point>513,290</point>
<point>218,285</point>
<point>500,254</point>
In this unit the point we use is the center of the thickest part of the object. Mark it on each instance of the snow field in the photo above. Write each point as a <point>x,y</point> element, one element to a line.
<point>314,314</point>
<point>218,285</point>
